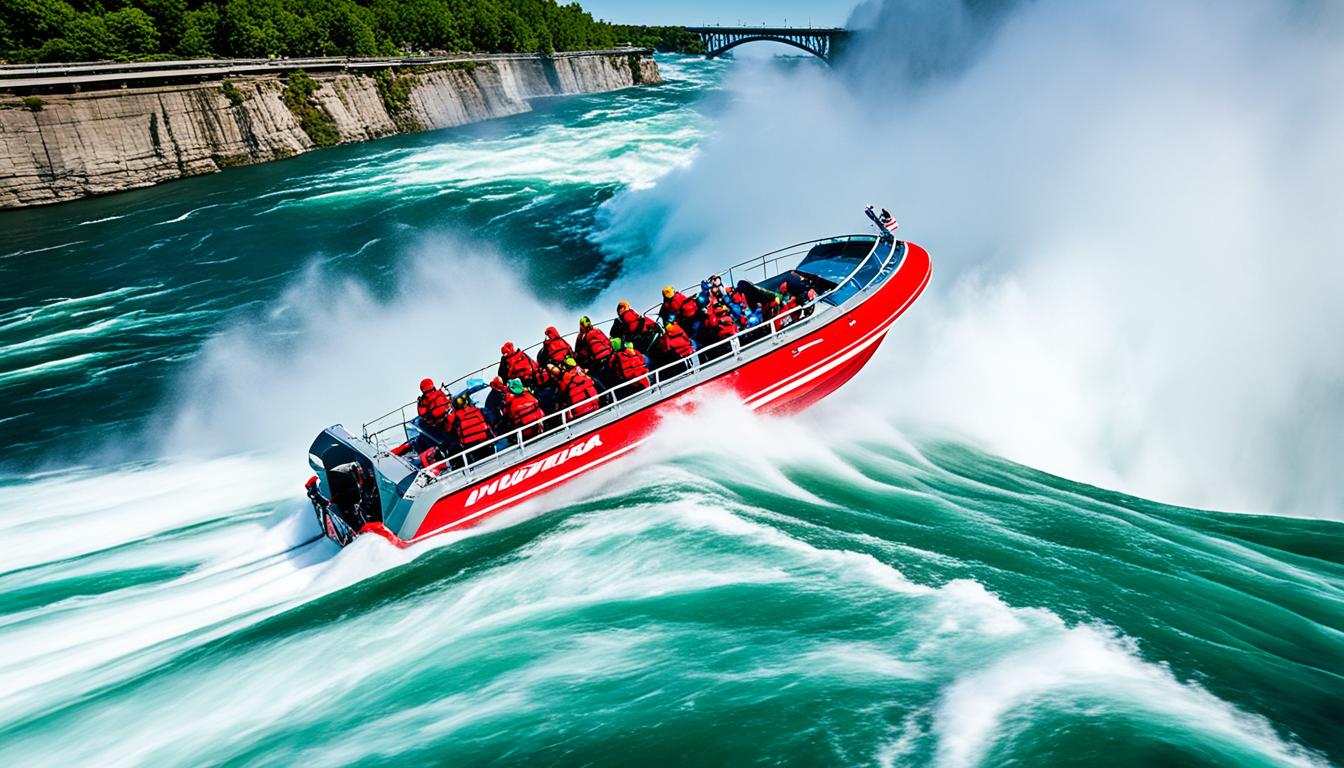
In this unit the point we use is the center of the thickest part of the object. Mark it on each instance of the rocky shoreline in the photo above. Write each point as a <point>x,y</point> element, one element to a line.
<point>56,148</point>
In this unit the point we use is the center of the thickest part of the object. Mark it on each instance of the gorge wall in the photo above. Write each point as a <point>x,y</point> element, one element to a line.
<point>97,142</point>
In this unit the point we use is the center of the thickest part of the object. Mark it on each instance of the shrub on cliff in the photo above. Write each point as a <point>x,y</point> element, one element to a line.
<point>395,91</point>
<point>298,93</point>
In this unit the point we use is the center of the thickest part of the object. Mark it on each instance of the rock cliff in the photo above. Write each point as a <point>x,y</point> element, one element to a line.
<point>106,141</point>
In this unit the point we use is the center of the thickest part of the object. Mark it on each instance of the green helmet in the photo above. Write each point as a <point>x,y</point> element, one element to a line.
<point>616,344</point>
<point>516,386</point>
<point>571,362</point>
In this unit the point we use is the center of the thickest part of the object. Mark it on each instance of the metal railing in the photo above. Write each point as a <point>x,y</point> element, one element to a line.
<point>636,395</point>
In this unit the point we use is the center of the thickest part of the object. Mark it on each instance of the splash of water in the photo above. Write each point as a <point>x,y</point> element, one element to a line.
<point>1131,212</point>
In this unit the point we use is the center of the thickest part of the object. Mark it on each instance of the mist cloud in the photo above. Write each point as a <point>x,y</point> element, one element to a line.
<point>1135,215</point>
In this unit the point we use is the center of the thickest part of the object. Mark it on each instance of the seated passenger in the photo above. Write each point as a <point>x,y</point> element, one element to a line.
<point>719,323</point>
<point>432,406</point>
<point>675,343</point>
<point>678,308</point>
<point>594,348</point>
<point>631,367</point>
<point>579,390</point>
<point>470,428</point>
<point>638,330</point>
<point>786,311</point>
<point>515,364</point>
<point>554,349</point>
<point>618,325</point>
<point>523,409</point>
<point>495,402</point>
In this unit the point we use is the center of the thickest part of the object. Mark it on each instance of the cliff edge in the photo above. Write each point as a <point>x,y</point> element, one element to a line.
<point>65,147</point>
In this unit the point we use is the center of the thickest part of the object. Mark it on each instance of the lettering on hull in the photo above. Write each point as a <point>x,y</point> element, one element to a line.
<point>524,473</point>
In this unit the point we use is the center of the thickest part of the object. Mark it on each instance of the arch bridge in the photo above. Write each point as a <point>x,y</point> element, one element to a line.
<point>820,42</point>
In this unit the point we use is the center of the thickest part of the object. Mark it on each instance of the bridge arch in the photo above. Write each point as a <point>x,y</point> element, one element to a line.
<point>821,43</point>
<point>766,38</point>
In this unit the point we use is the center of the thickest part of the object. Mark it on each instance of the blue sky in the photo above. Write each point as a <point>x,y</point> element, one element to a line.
<point>823,13</point>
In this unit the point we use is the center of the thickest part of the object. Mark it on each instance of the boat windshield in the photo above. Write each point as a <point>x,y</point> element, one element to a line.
<point>837,262</point>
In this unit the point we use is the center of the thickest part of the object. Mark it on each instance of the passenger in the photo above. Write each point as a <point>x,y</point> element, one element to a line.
<point>703,298</point>
<point>579,391</point>
<point>548,395</point>
<point>678,308</point>
<point>673,346</point>
<point>515,364</point>
<point>554,349</point>
<point>594,348</point>
<point>719,323</point>
<point>632,367</point>
<point>432,406</point>
<point>786,312</point>
<point>618,325</point>
<point>638,330</point>
<point>471,429</point>
<point>495,402</point>
<point>523,409</point>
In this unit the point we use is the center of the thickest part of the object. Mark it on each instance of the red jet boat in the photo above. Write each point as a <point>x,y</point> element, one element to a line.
<point>370,484</point>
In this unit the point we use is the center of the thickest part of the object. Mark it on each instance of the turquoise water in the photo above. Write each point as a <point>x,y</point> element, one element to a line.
<point>827,589</point>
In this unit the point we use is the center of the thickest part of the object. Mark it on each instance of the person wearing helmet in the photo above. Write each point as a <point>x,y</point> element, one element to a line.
<point>554,349</point>
<point>674,345</point>
<point>523,410</point>
<point>718,326</point>
<point>594,348</point>
<point>617,326</point>
<point>579,391</point>
<point>677,307</point>
<point>515,364</point>
<point>633,370</point>
<point>635,328</point>
<point>432,407</point>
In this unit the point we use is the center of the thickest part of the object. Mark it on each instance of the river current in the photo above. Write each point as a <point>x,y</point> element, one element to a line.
<point>824,589</point>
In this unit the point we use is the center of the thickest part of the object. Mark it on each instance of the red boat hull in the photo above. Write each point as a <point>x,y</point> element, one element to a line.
<point>797,374</point>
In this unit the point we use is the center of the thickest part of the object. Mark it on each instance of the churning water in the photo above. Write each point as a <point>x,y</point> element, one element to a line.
<point>843,586</point>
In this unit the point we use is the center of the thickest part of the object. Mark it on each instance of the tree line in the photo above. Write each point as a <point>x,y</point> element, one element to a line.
<point>126,30</point>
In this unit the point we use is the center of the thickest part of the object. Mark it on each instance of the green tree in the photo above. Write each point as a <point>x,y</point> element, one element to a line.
<point>132,31</point>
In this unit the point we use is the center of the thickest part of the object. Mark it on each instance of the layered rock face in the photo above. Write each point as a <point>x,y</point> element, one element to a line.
<point>106,141</point>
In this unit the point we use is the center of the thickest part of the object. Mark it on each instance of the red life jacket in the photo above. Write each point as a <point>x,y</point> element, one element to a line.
<point>678,342</point>
<point>687,309</point>
<point>632,319</point>
<point>579,387</point>
<point>596,344</point>
<point>633,367</point>
<point>721,322</point>
<point>542,378</point>
<point>519,366</point>
<point>469,425</point>
<point>433,407</point>
<point>523,409</point>
<point>680,306</point>
<point>556,350</point>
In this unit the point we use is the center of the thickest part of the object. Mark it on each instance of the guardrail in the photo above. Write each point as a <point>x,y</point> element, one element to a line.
<point>685,370</point>
<point>38,75</point>
<point>631,395</point>
<point>765,262</point>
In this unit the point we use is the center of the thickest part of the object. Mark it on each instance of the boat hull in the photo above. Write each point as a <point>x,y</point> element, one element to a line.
<point>795,375</point>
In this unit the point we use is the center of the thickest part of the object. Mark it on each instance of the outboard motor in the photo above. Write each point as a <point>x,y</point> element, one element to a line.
<point>354,502</point>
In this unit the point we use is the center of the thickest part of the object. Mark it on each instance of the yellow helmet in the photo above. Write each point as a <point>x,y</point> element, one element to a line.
<point>668,291</point>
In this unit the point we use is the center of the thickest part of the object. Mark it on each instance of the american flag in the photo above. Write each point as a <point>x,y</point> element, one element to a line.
<point>885,221</point>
